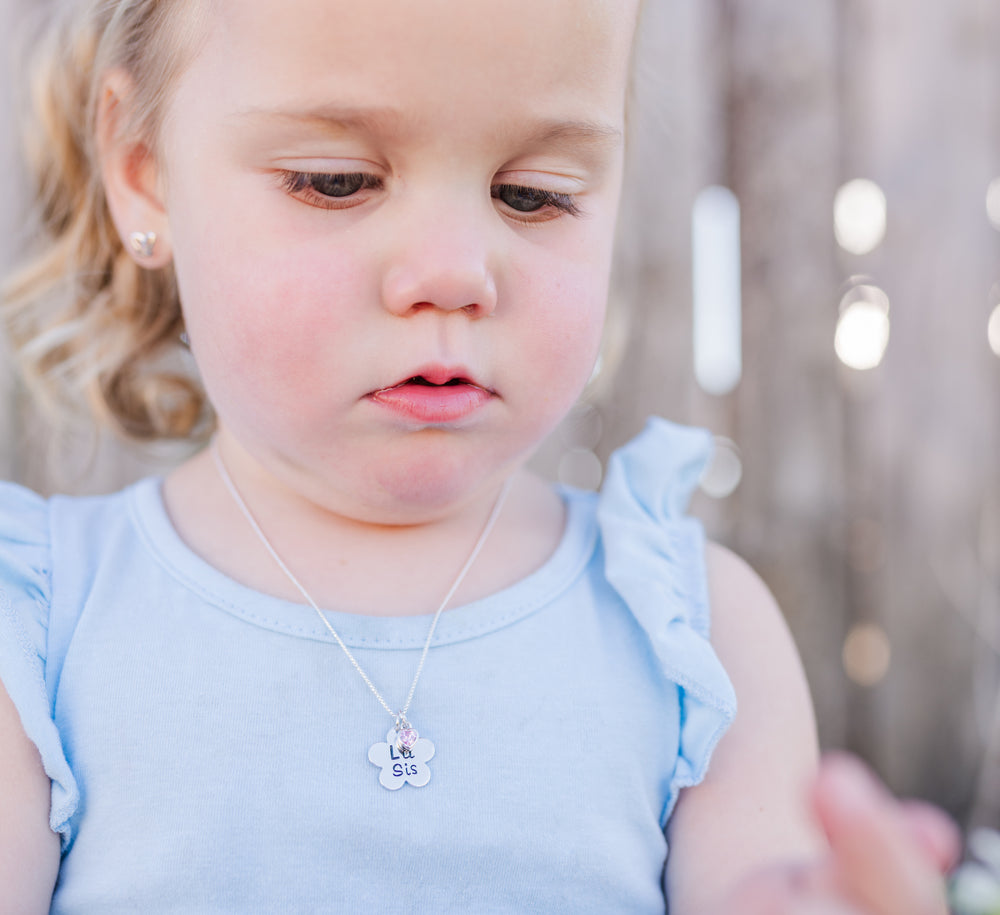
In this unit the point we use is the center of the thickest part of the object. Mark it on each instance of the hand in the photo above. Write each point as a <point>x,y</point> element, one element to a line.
<point>886,857</point>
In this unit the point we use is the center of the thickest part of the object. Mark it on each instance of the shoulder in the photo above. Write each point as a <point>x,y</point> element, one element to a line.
<point>748,628</point>
<point>15,494</point>
<point>752,640</point>
<point>774,727</point>
<point>29,849</point>
<point>24,542</point>
<point>21,509</point>
<point>750,809</point>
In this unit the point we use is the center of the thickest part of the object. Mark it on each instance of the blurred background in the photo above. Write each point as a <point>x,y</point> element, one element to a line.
<point>809,266</point>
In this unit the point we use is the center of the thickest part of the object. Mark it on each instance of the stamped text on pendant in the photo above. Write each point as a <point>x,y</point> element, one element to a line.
<point>400,766</point>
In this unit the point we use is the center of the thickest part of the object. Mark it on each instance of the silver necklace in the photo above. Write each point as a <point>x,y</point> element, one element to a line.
<point>404,754</point>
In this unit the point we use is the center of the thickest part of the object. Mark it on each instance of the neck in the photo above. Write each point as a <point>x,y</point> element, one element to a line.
<point>355,566</point>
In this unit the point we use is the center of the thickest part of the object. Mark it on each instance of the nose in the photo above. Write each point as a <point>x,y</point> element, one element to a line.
<point>444,262</point>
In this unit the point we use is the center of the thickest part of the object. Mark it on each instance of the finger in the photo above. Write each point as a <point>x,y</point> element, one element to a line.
<point>824,907</point>
<point>936,834</point>
<point>787,890</point>
<point>880,863</point>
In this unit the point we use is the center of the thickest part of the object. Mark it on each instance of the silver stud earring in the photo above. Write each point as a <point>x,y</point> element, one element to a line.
<point>143,243</point>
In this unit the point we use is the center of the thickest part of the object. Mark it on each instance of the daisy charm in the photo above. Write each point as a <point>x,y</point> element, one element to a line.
<point>403,758</point>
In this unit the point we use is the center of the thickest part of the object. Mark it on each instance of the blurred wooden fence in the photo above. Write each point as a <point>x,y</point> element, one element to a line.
<point>870,501</point>
<point>867,497</point>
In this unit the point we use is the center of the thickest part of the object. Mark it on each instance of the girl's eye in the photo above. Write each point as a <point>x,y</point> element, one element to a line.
<point>532,200</point>
<point>328,190</point>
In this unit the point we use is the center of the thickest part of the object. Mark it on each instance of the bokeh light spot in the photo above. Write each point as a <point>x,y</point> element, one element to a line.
<point>725,471</point>
<point>716,290</point>
<point>863,329</point>
<point>993,330</point>
<point>859,216</point>
<point>867,654</point>
<point>993,202</point>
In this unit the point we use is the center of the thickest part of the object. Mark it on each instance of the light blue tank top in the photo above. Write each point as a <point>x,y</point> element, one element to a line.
<point>208,745</point>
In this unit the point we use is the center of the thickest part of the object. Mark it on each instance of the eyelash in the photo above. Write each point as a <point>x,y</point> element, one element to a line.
<point>304,183</point>
<point>548,200</point>
<point>551,204</point>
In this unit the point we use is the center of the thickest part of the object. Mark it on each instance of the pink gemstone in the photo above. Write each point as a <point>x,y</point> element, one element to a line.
<point>407,738</point>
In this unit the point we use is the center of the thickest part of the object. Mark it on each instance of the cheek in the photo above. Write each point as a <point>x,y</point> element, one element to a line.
<point>266,312</point>
<point>565,305</point>
<point>259,288</point>
<point>563,325</point>
<point>269,342</point>
<point>572,345</point>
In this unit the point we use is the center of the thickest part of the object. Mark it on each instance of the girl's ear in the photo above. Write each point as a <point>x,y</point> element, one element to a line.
<point>131,177</point>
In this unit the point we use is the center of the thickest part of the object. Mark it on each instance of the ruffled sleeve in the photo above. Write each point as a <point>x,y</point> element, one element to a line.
<point>24,624</point>
<point>655,560</point>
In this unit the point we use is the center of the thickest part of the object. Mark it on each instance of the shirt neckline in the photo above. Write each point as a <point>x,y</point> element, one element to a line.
<point>456,624</point>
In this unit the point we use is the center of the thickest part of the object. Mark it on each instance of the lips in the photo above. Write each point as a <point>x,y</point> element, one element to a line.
<point>435,395</point>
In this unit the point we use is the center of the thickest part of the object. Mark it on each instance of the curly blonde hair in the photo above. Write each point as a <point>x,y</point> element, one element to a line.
<point>86,323</point>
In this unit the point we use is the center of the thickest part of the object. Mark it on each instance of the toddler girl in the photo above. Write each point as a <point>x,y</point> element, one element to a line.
<point>353,655</point>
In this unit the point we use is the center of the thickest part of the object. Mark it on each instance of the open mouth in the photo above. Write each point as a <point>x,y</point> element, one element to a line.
<point>435,378</point>
<point>450,383</point>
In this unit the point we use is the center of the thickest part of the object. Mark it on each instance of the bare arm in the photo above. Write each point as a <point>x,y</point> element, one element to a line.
<point>767,833</point>
<point>29,849</point>
<point>751,809</point>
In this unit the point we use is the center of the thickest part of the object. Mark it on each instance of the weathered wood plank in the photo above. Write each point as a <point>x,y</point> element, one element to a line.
<point>784,166</point>
<point>922,100</point>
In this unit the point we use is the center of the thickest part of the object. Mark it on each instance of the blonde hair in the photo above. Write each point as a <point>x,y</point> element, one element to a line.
<point>85,321</point>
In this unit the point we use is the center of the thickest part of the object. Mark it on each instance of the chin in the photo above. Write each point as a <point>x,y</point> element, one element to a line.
<point>433,484</point>
<point>427,491</point>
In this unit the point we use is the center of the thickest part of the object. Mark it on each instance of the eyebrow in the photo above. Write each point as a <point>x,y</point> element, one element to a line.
<point>386,120</point>
<point>574,131</point>
<point>334,118</point>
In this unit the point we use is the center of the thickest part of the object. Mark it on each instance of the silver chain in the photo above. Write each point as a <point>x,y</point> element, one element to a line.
<point>401,714</point>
